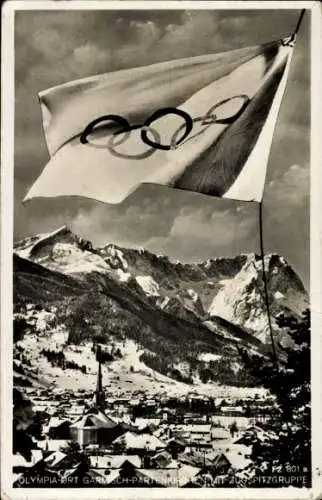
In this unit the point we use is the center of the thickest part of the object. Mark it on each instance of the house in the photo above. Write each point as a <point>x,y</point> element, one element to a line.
<point>54,459</point>
<point>225,461</point>
<point>20,464</point>
<point>219,434</point>
<point>95,428</point>
<point>163,460</point>
<point>61,461</point>
<point>200,432</point>
<point>38,476</point>
<point>138,442</point>
<point>142,422</point>
<point>176,446</point>
<point>79,475</point>
<point>172,478</point>
<point>237,460</point>
<point>227,420</point>
<point>76,410</point>
<point>195,418</point>
<point>57,428</point>
<point>127,476</point>
<point>53,444</point>
<point>220,465</point>
<point>210,460</point>
<point>130,477</point>
<point>113,461</point>
<point>253,433</point>
<point>241,449</point>
<point>232,410</point>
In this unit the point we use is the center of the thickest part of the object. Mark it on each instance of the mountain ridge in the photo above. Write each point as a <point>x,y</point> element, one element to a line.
<point>204,288</point>
<point>175,311</point>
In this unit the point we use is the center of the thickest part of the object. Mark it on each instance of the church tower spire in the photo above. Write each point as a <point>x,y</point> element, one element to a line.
<point>99,393</point>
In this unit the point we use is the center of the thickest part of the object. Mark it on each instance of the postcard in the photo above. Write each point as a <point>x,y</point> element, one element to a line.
<point>161,250</point>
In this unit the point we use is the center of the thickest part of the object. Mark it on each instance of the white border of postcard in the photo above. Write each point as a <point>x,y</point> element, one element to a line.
<point>7,145</point>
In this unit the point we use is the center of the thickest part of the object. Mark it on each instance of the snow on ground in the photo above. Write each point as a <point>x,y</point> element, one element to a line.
<point>122,276</point>
<point>208,356</point>
<point>213,328</point>
<point>193,295</point>
<point>44,318</point>
<point>59,336</point>
<point>69,259</point>
<point>115,258</point>
<point>119,378</point>
<point>164,302</point>
<point>148,285</point>
<point>239,301</point>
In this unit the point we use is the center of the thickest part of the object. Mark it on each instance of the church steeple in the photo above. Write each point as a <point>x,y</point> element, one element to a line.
<point>99,393</point>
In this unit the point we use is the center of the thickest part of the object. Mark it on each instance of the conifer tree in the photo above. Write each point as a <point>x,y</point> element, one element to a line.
<point>286,447</point>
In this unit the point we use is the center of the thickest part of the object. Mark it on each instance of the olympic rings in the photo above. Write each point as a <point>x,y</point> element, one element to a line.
<point>90,127</point>
<point>208,119</point>
<point>159,114</point>
<point>140,156</point>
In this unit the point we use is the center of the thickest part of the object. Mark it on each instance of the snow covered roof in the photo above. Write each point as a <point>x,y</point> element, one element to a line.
<point>40,408</point>
<point>162,458</point>
<point>53,444</point>
<point>195,457</point>
<point>236,447</point>
<point>54,458</point>
<point>200,428</point>
<point>137,441</point>
<point>94,418</point>
<point>192,428</point>
<point>164,477</point>
<point>235,409</point>
<point>20,461</point>
<point>56,422</point>
<point>172,477</point>
<point>102,478</point>
<point>219,433</point>
<point>237,460</point>
<point>143,422</point>
<point>113,461</point>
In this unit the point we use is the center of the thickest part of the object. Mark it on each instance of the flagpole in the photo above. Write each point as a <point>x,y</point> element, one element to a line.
<point>300,19</point>
<point>296,30</point>
<point>265,283</point>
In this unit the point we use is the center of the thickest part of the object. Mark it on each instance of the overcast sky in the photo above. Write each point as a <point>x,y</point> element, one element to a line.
<point>53,47</point>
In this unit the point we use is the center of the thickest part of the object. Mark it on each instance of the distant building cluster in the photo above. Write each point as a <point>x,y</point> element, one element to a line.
<point>148,440</point>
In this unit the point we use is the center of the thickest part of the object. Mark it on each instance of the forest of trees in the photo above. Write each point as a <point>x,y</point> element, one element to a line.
<point>288,453</point>
<point>59,359</point>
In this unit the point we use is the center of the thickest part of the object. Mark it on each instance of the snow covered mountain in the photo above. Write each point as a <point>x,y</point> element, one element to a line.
<point>231,288</point>
<point>174,311</point>
<point>242,300</point>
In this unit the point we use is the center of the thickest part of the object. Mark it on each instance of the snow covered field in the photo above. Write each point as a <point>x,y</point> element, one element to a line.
<point>123,376</point>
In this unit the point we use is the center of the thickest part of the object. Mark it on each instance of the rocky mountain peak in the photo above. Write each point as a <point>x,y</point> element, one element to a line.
<point>231,288</point>
<point>61,250</point>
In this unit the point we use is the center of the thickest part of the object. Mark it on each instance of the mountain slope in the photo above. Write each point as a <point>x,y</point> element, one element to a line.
<point>231,288</point>
<point>175,313</point>
<point>35,282</point>
<point>242,301</point>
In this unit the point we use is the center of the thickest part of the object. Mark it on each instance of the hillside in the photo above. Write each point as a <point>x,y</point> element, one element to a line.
<point>174,313</point>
